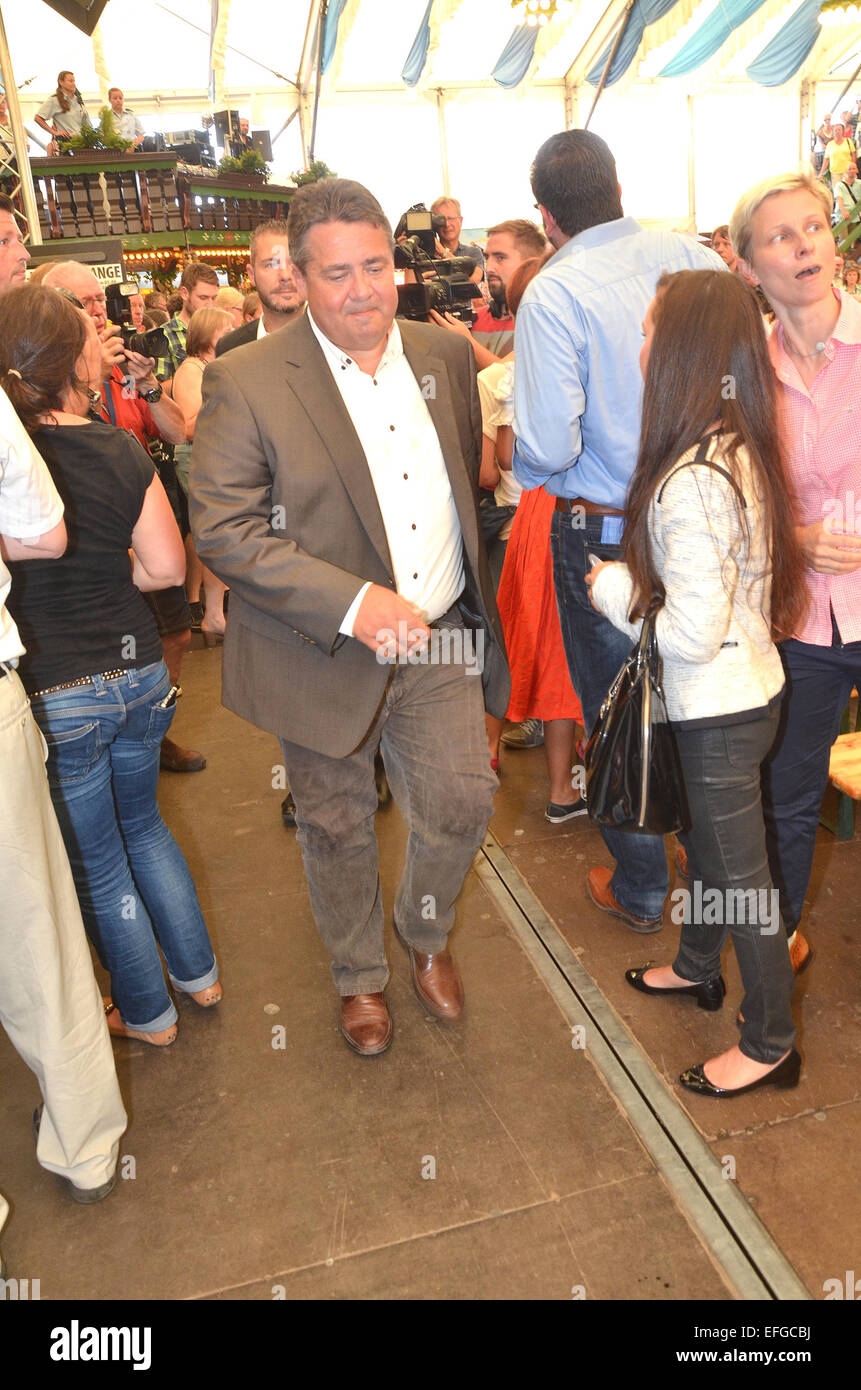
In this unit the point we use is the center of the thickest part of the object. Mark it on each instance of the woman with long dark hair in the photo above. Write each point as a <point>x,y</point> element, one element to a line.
<point>99,689</point>
<point>62,115</point>
<point>710,538</point>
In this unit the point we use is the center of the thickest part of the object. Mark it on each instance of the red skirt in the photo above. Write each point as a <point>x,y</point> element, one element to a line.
<point>540,684</point>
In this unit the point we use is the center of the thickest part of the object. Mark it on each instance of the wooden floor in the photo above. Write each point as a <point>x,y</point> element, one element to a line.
<point>485,1159</point>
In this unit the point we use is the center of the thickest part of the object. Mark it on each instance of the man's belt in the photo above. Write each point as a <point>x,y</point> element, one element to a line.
<point>570,504</point>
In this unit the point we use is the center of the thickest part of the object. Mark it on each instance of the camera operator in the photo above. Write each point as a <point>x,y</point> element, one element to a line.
<point>492,334</point>
<point>449,243</point>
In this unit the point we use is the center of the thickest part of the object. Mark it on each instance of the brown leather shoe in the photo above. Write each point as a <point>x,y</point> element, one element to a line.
<point>176,759</point>
<point>366,1023</point>
<point>800,953</point>
<point>436,981</point>
<point>598,888</point>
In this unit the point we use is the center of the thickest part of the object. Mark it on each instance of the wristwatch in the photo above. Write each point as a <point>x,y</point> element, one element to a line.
<point>153,396</point>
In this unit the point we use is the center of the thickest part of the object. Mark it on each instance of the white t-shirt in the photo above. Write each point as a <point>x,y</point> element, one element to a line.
<point>29,506</point>
<point>496,396</point>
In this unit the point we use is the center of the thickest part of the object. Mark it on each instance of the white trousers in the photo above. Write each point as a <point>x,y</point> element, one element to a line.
<point>50,1004</point>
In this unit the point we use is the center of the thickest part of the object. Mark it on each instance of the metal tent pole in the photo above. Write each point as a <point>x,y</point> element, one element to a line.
<point>19,136</point>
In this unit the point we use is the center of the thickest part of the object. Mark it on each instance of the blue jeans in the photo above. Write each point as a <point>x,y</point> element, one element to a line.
<point>595,650</point>
<point>133,884</point>
<point>819,682</point>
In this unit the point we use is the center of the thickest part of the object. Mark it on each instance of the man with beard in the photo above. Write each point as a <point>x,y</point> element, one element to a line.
<point>492,334</point>
<point>270,273</point>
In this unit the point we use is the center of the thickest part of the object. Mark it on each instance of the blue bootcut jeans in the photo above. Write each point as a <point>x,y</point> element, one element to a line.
<point>133,884</point>
<point>595,650</point>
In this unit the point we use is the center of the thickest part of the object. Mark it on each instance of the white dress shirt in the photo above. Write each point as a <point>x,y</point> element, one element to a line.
<point>261,329</point>
<point>408,471</point>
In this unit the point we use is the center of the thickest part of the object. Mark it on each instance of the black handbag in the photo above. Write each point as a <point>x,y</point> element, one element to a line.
<point>633,771</point>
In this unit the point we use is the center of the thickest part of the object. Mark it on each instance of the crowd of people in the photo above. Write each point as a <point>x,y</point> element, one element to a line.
<point>307,452</point>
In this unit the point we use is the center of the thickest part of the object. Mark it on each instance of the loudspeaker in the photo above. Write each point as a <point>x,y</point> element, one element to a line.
<point>261,141</point>
<point>84,14</point>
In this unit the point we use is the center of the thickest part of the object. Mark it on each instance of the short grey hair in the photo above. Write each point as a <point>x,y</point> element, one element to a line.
<point>330,200</point>
<point>748,205</point>
<point>441,202</point>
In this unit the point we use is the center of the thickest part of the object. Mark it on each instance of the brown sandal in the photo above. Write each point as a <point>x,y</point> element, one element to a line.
<point>165,1038</point>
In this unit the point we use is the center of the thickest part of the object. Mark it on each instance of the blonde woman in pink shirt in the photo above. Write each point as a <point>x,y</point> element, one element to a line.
<point>781,229</point>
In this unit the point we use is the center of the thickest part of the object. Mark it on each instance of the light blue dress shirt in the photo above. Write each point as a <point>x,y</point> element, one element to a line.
<point>578,334</point>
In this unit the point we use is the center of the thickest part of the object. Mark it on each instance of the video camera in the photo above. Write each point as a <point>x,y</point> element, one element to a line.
<point>151,344</point>
<point>448,288</point>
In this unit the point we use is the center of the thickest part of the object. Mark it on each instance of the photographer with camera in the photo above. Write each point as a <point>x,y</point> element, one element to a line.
<point>132,399</point>
<point>509,244</point>
<point>447,211</point>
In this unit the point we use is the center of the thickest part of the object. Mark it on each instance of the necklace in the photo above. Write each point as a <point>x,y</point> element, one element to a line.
<point>820,347</point>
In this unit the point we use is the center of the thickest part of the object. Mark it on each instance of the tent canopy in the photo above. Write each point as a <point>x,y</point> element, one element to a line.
<point>460,121</point>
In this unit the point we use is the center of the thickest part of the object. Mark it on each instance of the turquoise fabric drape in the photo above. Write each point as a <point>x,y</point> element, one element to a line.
<point>645,12</point>
<point>513,62</point>
<point>710,36</point>
<point>417,56</point>
<point>330,30</point>
<point>782,58</point>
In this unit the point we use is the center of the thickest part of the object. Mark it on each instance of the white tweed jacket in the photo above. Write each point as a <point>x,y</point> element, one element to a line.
<point>720,664</point>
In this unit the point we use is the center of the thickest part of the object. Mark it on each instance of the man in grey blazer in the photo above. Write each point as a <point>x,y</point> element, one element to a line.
<point>333,487</point>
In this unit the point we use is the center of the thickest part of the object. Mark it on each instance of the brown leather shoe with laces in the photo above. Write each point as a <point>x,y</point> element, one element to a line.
<point>366,1023</point>
<point>599,890</point>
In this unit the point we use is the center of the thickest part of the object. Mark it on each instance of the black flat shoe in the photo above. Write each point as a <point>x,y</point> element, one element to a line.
<point>784,1076</point>
<point>709,995</point>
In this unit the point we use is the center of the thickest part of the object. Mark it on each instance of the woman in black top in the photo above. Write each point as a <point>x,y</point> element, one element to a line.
<point>99,689</point>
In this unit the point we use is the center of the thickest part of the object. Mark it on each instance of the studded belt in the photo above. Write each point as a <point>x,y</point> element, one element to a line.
<point>82,680</point>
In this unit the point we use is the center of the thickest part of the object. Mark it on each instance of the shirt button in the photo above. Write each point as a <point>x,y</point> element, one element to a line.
<point>415,576</point>
<point>392,428</point>
<point>414,526</point>
<point>406,475</point>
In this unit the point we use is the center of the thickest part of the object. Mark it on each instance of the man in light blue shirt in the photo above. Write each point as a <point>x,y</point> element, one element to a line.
<point>577,395</point>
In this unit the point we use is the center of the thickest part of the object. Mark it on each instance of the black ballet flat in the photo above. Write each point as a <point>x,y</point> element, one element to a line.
<point>784,1076</point>
<point>709,995</point>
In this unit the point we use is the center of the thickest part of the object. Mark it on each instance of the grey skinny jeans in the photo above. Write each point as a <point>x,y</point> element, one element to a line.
<point>730,889</point>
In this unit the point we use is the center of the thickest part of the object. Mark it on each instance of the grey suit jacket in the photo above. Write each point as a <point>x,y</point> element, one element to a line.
<point>283,509</point>
<point>245,333</point>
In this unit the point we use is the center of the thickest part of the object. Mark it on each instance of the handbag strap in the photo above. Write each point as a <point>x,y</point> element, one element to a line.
<point>700,457</point>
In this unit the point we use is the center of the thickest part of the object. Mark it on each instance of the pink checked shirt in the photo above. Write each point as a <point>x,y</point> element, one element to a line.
<point>822,432</point>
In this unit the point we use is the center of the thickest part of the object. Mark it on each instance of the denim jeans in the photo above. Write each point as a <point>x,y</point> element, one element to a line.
<point>730,888</point>
<point>819,682</point>
<point>595,650</point>
<point>133,884</point>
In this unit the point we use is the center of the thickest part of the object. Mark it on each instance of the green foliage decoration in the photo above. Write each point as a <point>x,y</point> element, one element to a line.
<point>96,137</point>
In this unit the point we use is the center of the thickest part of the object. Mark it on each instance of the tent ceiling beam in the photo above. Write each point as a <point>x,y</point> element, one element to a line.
<point>19,140</point>
<point>620,33</point>
<point>291,82</point>
<point>596,41</point>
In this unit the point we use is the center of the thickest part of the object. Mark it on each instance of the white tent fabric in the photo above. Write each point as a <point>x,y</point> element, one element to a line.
<point>457,130</point>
